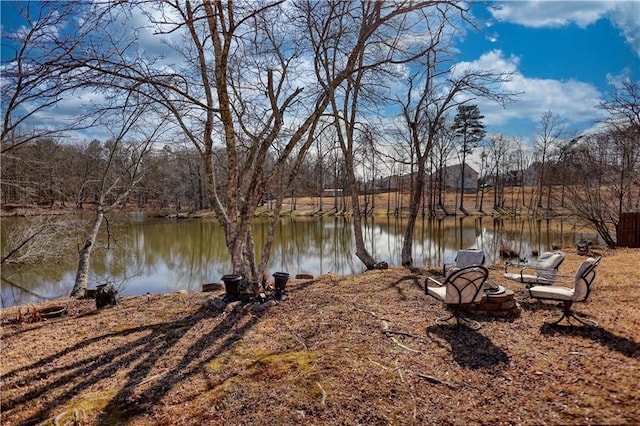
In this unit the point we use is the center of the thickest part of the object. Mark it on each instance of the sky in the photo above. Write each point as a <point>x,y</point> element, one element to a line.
<point>563,56</point>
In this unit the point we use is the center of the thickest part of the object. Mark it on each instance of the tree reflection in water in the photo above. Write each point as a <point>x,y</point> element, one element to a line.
<point>160,256</point>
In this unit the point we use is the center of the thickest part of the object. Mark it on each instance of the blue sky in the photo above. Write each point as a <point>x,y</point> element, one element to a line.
<point>563,55</point>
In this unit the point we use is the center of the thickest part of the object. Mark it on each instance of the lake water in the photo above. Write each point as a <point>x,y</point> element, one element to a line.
<point>163,255</point>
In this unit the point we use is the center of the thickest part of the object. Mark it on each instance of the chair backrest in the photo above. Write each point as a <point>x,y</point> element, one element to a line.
<point>585,275</point>
<point>469,257</point>
<point>464,285</point>
<point>548,263</point>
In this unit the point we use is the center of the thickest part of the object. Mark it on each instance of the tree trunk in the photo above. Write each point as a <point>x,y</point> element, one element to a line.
<point>464,159</point>
<point>361,251</point>
<point>82,275</point>
<point>416,195</point>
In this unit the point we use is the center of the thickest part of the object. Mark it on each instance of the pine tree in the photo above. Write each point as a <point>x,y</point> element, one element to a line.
<point>468,126</point>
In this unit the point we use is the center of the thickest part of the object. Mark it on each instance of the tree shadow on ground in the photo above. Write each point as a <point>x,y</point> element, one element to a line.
<point>413,280</point>
<point>539,305</point>
<point>224,335</point>
<point>70,372</point>
<point>469,347</point>
<point>627,347</point>
<point>305,284</point>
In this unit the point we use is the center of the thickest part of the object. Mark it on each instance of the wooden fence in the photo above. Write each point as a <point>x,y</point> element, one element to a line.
<point>629,230</point>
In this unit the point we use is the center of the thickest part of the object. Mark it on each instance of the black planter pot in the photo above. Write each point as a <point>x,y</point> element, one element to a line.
<point>231,282</point>
<point>280,279</point>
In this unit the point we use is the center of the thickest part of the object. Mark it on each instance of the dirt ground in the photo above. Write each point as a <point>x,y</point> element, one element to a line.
<point>339,351</point>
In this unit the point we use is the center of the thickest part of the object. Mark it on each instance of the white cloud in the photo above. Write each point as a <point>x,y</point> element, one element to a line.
<point>540,13</point>
<point>573,100</point>
<point>627,17</point>
<point>490,61</point>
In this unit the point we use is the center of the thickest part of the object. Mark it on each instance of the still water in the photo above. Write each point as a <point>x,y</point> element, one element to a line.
<point>159,256</point>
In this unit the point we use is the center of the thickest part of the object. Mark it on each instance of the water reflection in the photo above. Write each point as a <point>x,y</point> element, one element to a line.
<point>166,255</point>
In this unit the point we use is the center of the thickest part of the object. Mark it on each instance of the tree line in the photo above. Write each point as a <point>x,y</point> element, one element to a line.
<point>266,100</point>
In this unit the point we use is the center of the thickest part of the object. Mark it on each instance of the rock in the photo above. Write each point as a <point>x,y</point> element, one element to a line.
<point>232,306</point>
<point>508,305</point>
<point>212,287</point>
<point>216,302</point>
<point>256,307</point>
<point>269,304</point>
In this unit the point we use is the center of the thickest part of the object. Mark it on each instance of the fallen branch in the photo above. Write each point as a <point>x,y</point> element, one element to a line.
<point>399,370</point>
<point>402,333</point>
<point>299,340</point>
<point>404,346</point>
<point>56,419</point>
<point>373,314</point>
<point>324,393</point>
<point>385,330</point>
<point>378,364</point>
<point>436,380</point>
<point>389,333</point>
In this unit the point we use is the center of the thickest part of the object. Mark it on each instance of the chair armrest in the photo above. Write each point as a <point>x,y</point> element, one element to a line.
<point>507,264</point>
<point>438,283</point>
<point>560,280</point>
<point>563,279</point>
<point>426,282</point>
<point>536,271</point>
<point>518,265</point>
<point>546,279</point>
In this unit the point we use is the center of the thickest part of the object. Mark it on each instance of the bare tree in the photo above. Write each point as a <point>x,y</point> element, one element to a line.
<point>497,156</point>
<point>122,171</point>
<point>36,74</point>
<point>238,85</point>
<point>549,135</point>
<point>37,239</point>
<point>429,99</point>
<point>230,89</point>
<point>623,104</point>
<point>443,146</point>
<point>519,160</point>
<point>623,107</point>
<point>370,66</point>
<point>590,196</point>
<point>606,165</point>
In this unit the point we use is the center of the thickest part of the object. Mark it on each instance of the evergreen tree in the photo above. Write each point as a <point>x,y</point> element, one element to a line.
<point>468,126</point>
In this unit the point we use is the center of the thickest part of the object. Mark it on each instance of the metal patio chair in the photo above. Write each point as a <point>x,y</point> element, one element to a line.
<point>461,290</point>
<point>582,282</point>
<point>542,272</point>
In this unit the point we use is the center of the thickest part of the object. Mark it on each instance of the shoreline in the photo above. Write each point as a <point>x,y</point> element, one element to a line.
<point>385,204</point>
<point>209,214</point>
